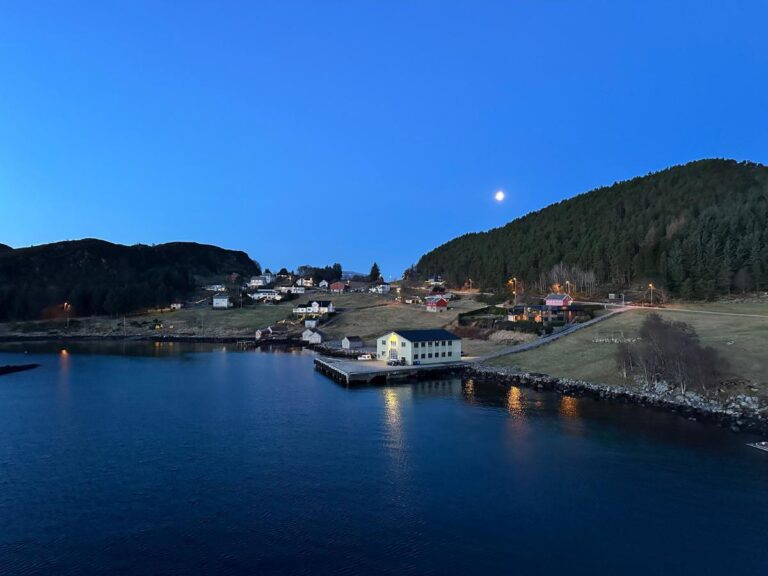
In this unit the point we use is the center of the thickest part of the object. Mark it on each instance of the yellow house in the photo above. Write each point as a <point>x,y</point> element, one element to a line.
<point>411,347</point>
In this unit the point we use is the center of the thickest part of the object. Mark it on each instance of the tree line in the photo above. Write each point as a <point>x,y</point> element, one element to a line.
<point>96,277</point>
<point>697,229</point>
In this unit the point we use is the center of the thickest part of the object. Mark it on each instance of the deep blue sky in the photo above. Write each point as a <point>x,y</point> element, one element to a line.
<point>314,132</point>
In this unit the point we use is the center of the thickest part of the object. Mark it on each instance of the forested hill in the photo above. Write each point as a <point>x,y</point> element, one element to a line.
<point>697,230</point>
<point>98,277</point>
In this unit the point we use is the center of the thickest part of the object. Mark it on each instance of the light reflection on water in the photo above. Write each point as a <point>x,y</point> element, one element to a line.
<point>256,458</point>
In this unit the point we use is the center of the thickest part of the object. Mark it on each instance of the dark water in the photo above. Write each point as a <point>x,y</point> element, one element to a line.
<point>218,462</point>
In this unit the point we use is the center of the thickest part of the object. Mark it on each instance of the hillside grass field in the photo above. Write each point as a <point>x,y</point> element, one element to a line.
<point>741,340</point>
<point>365,315</point>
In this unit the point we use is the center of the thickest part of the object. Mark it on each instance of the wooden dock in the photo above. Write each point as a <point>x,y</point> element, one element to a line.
<point>370,371</point>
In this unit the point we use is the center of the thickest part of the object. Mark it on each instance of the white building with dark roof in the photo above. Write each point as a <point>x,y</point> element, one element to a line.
<point>434,346</point>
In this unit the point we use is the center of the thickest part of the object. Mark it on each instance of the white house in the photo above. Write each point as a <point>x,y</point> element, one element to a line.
<point>316,307</point>
<point>434,346</point>
<point>305,282</point>
<point>177,306</point>
<point>352,342</point>
<point>267,295</point>
<point>263,280</point>
<point>215,288</point>
<point>312,336</point>
<point>291,289</point>
<point>221,302</point>
<point>381,289</point>
<point>323,284</point>
<point>311,322</point>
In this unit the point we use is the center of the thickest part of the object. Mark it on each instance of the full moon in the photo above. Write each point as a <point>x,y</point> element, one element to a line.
<point>499,196</point>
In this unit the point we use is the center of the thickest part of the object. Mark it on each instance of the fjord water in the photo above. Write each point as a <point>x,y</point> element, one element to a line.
<point>191,461</point>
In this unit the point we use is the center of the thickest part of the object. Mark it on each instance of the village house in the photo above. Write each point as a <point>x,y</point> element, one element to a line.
<point>215,288</point>
<point>352,343</point>
<point>312,336</point>
<point>554,300</point>
<point>305,282</point>
<point>177,306</point>
<point>221,302</point>
<point>311,323</point>
<point>291,289</point>
<point>433,346</point>
<point>264,280</point>
<point>316,308</point>
<point>439,304</point>
<point>338,287</point>
<point>266,295</point>
<point>323,285</point>
<point>380,289</point>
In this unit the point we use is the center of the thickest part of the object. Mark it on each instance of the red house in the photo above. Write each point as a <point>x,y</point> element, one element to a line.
<point>437,305</point>
<point>338,287</point>
<point>558,300</point>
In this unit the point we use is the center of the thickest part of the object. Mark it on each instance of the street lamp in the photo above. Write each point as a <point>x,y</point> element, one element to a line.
<point>650,286</point>
<point>67,306</point>
<point>568,287</point>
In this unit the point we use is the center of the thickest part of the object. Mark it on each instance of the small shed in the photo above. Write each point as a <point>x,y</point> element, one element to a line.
<point>311,322</point>
<point>312,336</point>
<point>221,302</point>
<point>352,343</point>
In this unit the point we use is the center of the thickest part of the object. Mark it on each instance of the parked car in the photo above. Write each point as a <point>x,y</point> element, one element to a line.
<point>365,357</point>
<point>393,362</point>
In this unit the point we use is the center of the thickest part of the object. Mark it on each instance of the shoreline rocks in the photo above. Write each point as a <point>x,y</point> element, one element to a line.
<point>739,413</point>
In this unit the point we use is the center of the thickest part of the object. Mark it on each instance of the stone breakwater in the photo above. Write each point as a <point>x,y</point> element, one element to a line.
<point>740,412</point>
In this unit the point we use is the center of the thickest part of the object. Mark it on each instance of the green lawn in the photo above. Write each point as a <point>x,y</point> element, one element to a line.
<point>742,341</point>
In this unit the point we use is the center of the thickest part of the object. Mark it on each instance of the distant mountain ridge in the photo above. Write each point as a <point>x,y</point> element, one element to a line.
<point>698,230</point>
<point>99,277</point>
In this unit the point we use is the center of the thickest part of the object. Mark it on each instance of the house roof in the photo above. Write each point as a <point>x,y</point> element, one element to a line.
<point>321,303</point>
<point>437,302</point>
<point>557,296</point>
<point>279,328</point>
<point>354,338</point>
<point>426,335</point>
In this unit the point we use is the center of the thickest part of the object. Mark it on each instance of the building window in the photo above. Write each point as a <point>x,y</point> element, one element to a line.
<point>402,344</point>
<point>429,355</point>
<point>443,354</point>
<point>422,356</point>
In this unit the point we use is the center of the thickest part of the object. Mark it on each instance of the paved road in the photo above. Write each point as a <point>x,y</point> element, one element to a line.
<point>551,338</point>
<point>687,310</point>
<point>619,309</point>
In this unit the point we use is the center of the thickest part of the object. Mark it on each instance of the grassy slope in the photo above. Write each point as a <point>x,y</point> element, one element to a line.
<point>742,341</point>
<point>365,315</point>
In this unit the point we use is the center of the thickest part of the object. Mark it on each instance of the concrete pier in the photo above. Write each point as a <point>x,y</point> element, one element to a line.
<point>370,371</point>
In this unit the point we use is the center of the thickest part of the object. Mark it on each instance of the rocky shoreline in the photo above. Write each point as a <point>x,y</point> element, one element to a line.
<point>739,413</point>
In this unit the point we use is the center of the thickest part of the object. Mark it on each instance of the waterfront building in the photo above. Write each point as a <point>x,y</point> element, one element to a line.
<point>352,342</point>
<point>433,346</point>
